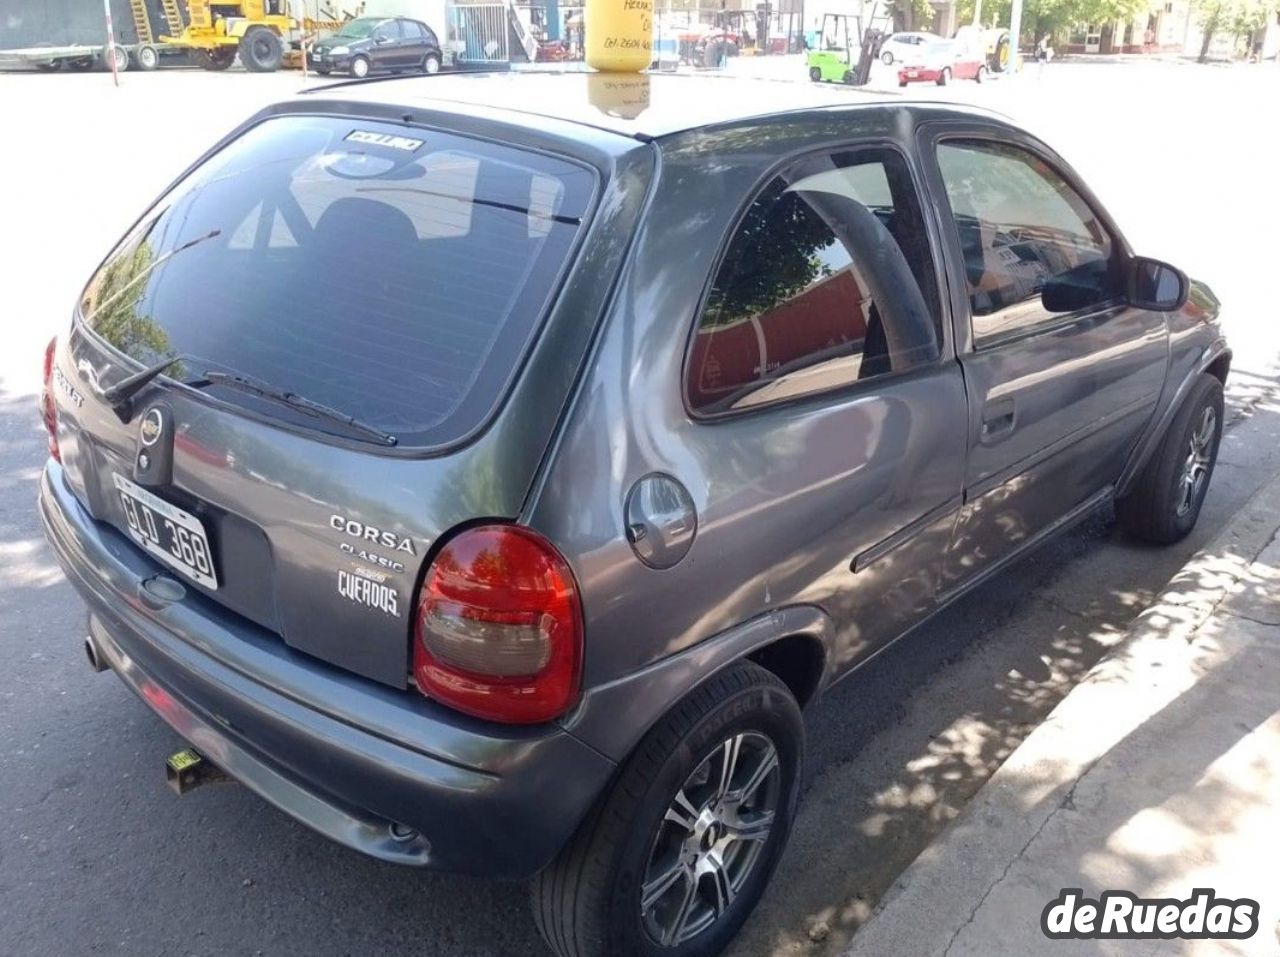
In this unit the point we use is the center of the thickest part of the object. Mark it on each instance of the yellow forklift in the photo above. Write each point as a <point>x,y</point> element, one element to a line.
<point>259,30</point>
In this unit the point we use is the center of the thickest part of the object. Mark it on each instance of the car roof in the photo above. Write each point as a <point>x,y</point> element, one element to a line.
<point>640,105</point>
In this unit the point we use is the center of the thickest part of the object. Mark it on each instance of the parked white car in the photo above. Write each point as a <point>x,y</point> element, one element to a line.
<point>905,46</point>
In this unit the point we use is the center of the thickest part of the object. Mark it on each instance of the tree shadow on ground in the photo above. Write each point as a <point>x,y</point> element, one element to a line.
<point>1179,779</point>
<point>898,749</point>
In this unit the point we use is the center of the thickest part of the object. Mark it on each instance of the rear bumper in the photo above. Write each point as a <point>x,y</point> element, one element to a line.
<point>918,74</point>
<point>340,754</point>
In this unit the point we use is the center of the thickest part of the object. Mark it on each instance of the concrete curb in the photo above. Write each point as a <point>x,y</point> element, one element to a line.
<point>933,907</point>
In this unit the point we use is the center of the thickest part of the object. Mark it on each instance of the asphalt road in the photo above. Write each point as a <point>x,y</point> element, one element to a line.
<point>97,856</point>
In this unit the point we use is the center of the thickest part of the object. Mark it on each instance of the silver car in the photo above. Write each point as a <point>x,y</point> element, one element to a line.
<point>488,470</point>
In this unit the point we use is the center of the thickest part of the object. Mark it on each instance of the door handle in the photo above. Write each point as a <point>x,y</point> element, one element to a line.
<point>998,419</point>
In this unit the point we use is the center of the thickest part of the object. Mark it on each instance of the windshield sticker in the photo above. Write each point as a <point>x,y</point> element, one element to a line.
<point>405,143</point>
<point>360,587</point>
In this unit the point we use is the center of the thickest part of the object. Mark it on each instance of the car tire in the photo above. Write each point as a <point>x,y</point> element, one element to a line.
<point>981,74</point>
<point>430,64</point>
<point>147,58</point>
<point>261,50</point>
<point>945,76</point>
<point>216,60</point>
<point>815,74</point>
<point>887,58</point>
<point>323,70</point>
<point>359,67</point>
<point>1165,501</point>
<point>848,78</point>
<point>121,58</point>
<point>590,902</point>
<point>902,83</point>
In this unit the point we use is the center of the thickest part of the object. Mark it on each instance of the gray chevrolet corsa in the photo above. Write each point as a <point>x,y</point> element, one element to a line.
<point>488,478</point>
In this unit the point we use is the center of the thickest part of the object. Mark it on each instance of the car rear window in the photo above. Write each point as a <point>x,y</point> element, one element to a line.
<point>391,273</point>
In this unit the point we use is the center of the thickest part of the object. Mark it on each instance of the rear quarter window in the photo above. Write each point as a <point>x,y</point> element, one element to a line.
<point>798,305</point>
<point>394,274</point>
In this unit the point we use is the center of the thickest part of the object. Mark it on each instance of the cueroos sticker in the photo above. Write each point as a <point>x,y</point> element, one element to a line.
<point>363,587</point>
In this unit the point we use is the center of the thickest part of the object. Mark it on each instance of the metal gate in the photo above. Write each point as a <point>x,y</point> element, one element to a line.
<point>478,33</point>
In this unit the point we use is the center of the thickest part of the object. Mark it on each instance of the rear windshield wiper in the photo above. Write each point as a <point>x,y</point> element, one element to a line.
<point>120,396</point>
<point>262,390</point>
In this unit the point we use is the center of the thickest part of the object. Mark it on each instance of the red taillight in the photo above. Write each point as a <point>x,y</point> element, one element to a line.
<point>49,410</point>
<point>499,630</point>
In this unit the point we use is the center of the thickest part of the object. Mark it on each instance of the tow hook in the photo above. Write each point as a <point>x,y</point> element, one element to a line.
<point>187,769</point>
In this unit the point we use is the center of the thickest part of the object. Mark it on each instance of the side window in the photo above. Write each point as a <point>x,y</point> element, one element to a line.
<point>412,30</point>
<point>827,280</point>
<point>390,30</point>
<point>1032,247</point>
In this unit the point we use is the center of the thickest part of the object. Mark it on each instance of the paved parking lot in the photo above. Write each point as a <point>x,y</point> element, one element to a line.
<point>96,855</point>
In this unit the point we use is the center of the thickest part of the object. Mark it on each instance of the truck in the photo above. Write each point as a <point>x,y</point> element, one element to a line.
<point>72,34</point>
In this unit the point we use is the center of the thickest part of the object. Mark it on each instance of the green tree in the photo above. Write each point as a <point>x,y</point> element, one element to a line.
<point>1235,17</point>
<point>773,257</point>
<point>910,14</point>
<point>113,306</point>
<point>1041,18</point>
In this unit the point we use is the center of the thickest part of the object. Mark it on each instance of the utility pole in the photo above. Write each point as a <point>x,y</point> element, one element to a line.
<point>111,43</point>
<point>1015,31</point>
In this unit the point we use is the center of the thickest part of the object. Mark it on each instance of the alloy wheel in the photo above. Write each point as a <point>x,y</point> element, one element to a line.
<point>1195,469</point>
<point>711,838</point>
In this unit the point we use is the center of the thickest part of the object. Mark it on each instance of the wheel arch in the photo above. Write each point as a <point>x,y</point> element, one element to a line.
<point>1220,366</point>
<point>799,661</point>
<point>1214,361</point>
<point>790,642</point>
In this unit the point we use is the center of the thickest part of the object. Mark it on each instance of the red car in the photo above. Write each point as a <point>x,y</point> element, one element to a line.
<point>944,64</point>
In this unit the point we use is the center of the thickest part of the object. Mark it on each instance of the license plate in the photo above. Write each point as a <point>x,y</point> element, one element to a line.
<point>175,537</point>
<point>912,74</point>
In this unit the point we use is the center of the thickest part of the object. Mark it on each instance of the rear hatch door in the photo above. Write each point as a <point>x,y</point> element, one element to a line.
<point>398,277</point>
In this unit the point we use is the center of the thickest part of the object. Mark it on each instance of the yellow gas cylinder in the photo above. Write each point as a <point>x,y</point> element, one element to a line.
<point>619,34</point>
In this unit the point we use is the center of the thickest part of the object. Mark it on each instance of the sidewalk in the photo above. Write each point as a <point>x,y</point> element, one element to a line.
<point>1158,774</point>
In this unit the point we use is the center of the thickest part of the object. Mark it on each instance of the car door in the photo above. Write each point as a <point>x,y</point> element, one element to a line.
<point>823,324</point>
<point>779,349</point>
<point>1062,374</point>
<point>963,67</point>
<point>414,43</point>
<point>387,52</point>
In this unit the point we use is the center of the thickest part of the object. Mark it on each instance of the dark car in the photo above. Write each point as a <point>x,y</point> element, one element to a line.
<point>378,44</point>
<point>488,479</point>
